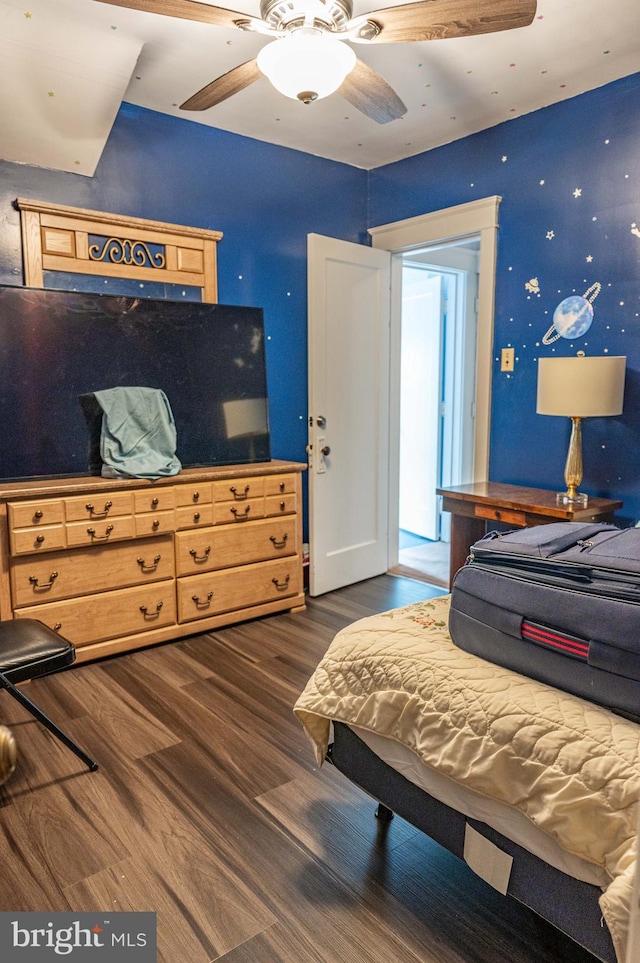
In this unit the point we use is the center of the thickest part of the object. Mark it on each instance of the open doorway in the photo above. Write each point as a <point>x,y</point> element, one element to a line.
<point>437,358</point>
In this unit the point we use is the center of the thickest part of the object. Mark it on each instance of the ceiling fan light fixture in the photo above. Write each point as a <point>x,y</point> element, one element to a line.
<point>307,64</point>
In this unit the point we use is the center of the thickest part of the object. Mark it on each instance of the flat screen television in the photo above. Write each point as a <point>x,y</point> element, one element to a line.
<point>56,346</point>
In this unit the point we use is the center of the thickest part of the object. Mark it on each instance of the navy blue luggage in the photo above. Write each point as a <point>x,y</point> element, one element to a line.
<point>559,603</point>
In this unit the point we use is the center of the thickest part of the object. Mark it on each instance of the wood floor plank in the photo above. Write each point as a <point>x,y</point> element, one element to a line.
<point>171,661</point>
<point>346,939</point>
<point>120,716</point>
<point>300,891</point>
<point>201,912</point>
<point>70,841</point>
<point>27,880</point>
<point>244,758</point>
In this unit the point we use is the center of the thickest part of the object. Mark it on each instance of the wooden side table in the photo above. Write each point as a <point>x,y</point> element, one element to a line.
<point>474,505</point>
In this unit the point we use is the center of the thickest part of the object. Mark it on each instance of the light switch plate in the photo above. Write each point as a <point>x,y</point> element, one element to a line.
<point>507,359</point>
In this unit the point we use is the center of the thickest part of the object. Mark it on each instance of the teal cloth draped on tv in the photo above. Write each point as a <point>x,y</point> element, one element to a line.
<point>138,437</point>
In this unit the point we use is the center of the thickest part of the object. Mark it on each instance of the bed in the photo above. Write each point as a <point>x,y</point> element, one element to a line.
<point>536,789</point>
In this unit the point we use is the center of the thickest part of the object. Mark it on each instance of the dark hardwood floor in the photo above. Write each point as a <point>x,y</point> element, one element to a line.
<point>208,808</point>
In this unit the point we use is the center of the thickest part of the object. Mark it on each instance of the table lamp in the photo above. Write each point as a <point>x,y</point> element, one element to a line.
<point>579,387</point>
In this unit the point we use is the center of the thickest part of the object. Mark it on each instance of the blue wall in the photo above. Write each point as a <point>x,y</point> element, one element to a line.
<point>264,199</point>
<point>569,178</point>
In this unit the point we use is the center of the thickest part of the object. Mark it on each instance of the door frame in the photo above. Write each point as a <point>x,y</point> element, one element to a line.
<point>399,237</point>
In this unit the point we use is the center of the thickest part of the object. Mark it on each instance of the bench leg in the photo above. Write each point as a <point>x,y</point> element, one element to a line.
<point>46,721</point>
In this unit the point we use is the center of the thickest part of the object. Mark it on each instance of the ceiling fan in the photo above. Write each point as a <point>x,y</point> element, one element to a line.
<point>308,59</point>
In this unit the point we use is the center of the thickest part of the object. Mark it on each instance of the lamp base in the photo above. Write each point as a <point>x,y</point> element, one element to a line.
<point>566,498</point>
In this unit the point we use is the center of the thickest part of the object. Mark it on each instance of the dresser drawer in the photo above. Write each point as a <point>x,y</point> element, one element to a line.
<point>215,592</point>
<point>97,507</point>
<point>500,515</point>
<point>238,489</point>
<point>193,494</point>
<point>49,511</point>
<point>195,516</point>
<point>44,538</point>
<point>237,512</point>
<point>95,618</point>
<point>279,484</point>
<point>154,500</point>
<point>100,532</point>
<point>280,504</point>
<point>231,545</point>
<point>59,575</point>
<point>155,523</point>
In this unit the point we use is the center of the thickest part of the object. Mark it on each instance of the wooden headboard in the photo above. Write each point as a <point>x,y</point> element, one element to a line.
<point>78,241</point>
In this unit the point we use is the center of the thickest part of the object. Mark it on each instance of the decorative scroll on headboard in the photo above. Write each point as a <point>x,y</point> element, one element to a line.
<point>78,241</point>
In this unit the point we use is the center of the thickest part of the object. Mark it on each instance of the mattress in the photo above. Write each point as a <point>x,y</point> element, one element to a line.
<point>504,819</point>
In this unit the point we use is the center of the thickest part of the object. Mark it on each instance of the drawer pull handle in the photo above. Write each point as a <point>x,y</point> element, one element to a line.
<point>196,496</point>
<point>57,626</point>
<point>202,603</point>
<point>153,614</point>
<point>283,486</point>
<point>102,514</point>
<point>39,539</point>
<point>154,502</point>
<point>35,581</point>
<point>244,516</point>
<point>240,496</point>
<point>200,558</point>
<point>155,524</point>
<point>279,543</point>
<point>283,505</point>
<point>196,516</point>
<point>37,515</point>
<point>107,532</point>
<point>281,586</point>
<point>148,566</point>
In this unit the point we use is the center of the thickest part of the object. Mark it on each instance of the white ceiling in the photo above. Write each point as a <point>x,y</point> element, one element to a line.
<point>66,65</point>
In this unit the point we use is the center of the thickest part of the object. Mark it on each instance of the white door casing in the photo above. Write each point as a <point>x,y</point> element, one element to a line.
<point>464,220</point>
<point>349,312</point>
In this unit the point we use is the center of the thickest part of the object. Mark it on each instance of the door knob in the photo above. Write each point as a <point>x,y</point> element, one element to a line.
<point>321,421</point>
<point>326,450</point>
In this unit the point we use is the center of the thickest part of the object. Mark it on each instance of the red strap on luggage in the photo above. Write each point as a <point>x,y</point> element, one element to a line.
<point>560,642</point>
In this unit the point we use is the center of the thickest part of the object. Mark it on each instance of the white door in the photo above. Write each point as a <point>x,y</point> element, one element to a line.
<point>349,317</point>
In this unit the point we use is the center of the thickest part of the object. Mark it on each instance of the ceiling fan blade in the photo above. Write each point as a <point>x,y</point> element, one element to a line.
<point>371,94</point>
<point>443,19</point>
<point>184,10</point>
<point>229,84</point>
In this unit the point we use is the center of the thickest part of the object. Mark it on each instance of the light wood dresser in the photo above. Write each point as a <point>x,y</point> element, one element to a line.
<point>114,565</point>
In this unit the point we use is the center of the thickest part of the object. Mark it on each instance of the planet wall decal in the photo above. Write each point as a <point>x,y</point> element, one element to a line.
<point>573,316</point>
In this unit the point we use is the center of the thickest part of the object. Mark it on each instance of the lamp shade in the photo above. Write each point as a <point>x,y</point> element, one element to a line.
<point>307,64</point>
<point>581,387</point>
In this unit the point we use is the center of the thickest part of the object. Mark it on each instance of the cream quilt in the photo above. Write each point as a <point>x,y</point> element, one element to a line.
<point>572,767</point>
